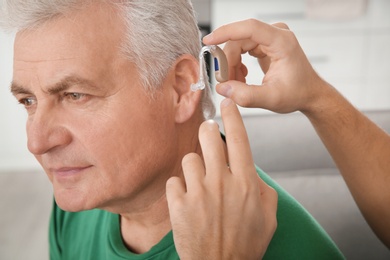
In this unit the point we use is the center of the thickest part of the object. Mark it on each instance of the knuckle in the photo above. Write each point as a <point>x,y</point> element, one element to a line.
<point>248,186</point>
<point>291,37</point>
<point>281,25</point>
<point>252,22</point>
<point>290,40</point>
<point>285,40</point>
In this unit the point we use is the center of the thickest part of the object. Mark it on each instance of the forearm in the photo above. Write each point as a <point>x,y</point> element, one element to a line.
<point>361,150</point>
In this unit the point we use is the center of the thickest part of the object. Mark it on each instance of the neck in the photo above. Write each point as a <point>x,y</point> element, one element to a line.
<point>143,229</point>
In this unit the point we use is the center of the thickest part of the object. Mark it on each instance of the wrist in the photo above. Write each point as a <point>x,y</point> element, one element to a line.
<point>324,99</point>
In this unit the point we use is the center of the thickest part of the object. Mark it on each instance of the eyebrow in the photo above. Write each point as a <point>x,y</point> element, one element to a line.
<point>58,87</point>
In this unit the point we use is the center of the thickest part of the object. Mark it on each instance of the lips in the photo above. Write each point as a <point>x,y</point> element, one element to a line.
<point>64,172</point>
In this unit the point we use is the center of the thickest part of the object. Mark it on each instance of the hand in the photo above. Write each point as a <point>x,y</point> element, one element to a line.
<point>289,84</point>
<point>220,211</point>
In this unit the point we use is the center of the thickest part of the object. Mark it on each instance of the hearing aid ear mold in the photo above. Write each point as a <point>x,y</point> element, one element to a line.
<point>220,66</point>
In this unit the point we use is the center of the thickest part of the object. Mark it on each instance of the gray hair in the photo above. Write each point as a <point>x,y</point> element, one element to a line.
<point>159,31</point>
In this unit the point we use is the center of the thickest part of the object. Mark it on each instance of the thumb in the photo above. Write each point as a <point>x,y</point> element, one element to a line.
<point>245,95</point>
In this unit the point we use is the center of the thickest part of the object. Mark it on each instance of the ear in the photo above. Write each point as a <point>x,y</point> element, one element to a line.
<point>185,72</point>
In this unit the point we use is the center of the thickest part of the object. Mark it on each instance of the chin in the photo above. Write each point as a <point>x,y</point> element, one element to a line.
<point>73,201</point>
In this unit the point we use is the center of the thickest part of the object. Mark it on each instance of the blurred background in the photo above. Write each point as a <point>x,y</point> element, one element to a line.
<point>347,43</point>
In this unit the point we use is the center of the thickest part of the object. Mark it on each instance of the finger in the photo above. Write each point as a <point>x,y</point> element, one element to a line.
<point>244,70</point>
<point>233,51</point>
<point>238,73</point>
<point>212,149</point>
<point>193,171</point>
<point>263,59</point>
<point>281,25</point>
<point>260,32</point>
<point>175,188</point>
<point>258,96</point>
<point>239,152</point>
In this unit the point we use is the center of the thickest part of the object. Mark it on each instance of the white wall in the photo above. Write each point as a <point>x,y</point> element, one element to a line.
<point>14,155</point>
<point>354,55</point>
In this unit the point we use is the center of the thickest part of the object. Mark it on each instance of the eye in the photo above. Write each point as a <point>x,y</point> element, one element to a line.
<point>74,96</point>
<point>27,102</point>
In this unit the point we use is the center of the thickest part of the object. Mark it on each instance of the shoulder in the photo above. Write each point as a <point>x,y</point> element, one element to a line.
<point>298,234</point>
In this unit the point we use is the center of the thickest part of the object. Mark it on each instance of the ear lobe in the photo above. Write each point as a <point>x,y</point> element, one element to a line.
<point>186,72</point>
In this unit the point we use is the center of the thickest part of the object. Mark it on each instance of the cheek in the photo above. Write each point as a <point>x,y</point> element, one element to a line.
<point>133,159</point>
<point>125,140</point>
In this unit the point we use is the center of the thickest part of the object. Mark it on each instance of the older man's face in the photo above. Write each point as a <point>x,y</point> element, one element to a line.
<point>100,139</point>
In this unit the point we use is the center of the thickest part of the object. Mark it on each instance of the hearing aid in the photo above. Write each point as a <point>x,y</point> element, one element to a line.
<point>220,66</point>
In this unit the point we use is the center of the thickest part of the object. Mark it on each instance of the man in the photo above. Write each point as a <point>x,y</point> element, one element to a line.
<point>291,84</point>
<point>111,119</point>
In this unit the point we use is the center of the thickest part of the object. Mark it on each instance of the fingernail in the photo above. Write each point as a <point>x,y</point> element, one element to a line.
<point>225,90</point>
<point>226,102</point>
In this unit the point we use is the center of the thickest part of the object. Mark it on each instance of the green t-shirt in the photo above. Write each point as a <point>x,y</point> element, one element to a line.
<point>95,234</point>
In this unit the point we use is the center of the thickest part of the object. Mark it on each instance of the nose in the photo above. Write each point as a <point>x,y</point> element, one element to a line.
<point>45,132</point>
